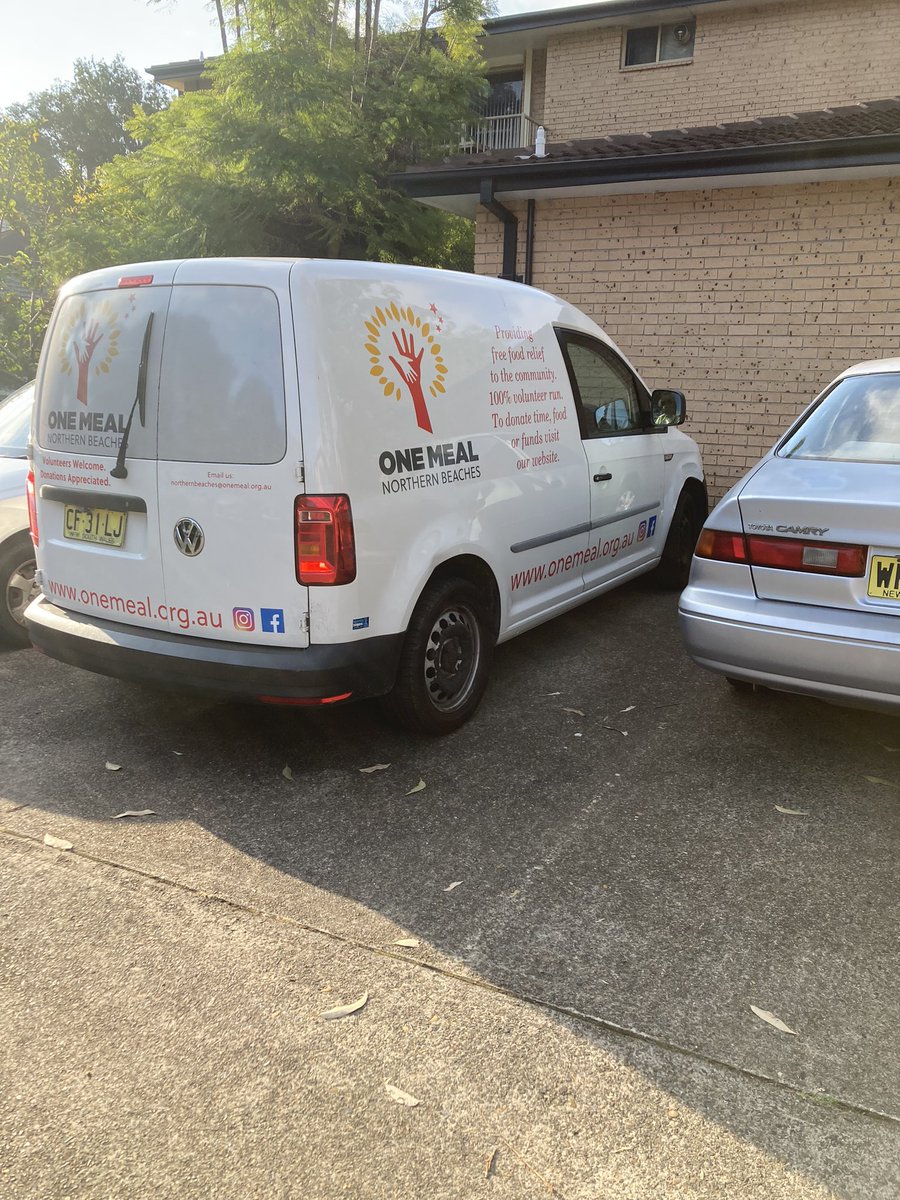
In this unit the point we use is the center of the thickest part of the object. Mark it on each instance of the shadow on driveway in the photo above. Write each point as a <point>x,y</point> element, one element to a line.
<point>639,874</point>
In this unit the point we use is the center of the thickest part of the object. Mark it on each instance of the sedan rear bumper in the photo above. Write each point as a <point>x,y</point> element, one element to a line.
<point>348,670</point>
<point>843,656</point>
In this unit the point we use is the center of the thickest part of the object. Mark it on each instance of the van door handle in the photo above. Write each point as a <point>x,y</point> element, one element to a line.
<point>602,478</point>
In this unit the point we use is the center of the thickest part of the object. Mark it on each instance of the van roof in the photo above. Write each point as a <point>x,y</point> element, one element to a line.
<point>274,272</point>
<point>205,269</point>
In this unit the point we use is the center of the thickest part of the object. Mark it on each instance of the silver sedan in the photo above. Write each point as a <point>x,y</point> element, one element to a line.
<point>795,582</point>
<point>17,565</point>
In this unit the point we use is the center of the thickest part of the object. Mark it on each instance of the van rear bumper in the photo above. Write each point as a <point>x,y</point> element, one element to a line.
<point>348,670</point>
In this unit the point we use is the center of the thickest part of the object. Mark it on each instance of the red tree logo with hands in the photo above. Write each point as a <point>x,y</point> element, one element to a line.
<point>412,376</point>
<point>83,355</point>
<point>83,330</point>
<point>418,368</point>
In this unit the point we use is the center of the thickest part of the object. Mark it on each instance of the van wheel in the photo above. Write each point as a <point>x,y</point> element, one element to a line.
<point>445,659</point>
<point>675,565</point>
<point>17,588</point>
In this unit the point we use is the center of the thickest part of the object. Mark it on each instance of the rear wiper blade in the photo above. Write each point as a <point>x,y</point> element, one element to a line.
<point>120,471</point>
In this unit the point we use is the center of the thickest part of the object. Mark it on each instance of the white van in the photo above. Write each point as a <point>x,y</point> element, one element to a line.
<point>308,482</point>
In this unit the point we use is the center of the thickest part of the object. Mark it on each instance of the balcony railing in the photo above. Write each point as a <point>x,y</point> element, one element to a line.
<point>509,131</point>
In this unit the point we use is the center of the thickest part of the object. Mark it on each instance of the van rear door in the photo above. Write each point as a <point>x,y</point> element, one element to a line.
<point>230,456</point>
<point>99,538</point>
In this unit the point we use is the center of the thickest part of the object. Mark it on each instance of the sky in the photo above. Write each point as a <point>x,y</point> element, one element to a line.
<point>40,39</point>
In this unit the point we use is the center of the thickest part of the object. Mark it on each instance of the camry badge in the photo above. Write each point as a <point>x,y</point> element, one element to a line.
<point>189,537</point>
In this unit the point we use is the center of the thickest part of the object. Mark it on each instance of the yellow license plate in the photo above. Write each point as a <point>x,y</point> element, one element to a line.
<point>884,577</point>
<point>100,525</point>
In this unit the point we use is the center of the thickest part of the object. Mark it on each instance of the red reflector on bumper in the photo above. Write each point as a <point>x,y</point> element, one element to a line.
<point>303,702</point>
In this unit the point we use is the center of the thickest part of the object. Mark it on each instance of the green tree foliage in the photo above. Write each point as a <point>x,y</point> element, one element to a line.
<point>83,122</point>
<point>50,147</point>
<point>290,150</point>
<point>31,194</point>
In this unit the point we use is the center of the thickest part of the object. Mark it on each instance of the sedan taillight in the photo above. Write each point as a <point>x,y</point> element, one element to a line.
<point>784,554</point>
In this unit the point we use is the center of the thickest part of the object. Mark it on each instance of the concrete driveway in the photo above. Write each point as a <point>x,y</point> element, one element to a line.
<point>574,1017</point>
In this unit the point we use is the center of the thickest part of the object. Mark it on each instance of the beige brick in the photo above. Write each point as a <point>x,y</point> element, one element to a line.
<point>752,349</point>
<point>752,61</point>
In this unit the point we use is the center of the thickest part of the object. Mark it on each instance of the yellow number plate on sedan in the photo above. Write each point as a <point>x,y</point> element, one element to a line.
<point>100,525</point>
<point>884,577</point>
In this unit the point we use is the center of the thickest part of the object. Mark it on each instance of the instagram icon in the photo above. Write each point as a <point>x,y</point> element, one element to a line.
<point>244,619</point>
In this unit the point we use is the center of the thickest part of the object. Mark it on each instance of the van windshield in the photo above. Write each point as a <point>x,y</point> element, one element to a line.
<point>858,421</point>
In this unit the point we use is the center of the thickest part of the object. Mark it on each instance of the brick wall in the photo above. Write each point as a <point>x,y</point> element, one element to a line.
<point>749,299</point>
<point>796,56</point>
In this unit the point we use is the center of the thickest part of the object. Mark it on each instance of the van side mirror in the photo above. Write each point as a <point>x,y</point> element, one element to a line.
<point>667,407</point>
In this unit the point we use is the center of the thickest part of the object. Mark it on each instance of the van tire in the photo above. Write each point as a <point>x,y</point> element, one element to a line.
<point>675,565</point>
<point>451,620</point>
<point>17,567</point>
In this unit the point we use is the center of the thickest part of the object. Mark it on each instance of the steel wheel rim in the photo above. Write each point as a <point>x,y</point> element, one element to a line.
<point>21,589</point>
<point>452,657</point>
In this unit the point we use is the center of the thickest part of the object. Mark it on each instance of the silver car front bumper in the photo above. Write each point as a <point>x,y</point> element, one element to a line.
<point>844,656</point>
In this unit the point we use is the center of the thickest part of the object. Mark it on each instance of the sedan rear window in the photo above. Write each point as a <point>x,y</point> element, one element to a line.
<point>857,421</point>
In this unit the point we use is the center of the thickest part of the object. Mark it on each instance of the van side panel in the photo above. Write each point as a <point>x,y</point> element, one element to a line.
<point>440,404</point>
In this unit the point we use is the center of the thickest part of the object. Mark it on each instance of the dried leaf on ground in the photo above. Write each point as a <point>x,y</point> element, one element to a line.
<point>344,1010</point>
<point>576,711</point>
<point>57,843</point>
<point>135,812</point>
<point>792,812</point>
<point>111,766</point>
<point>407,942</point>
<point>180,753</point>
<point>453,885</point>
<point>420,787</point>
<point>891,749</point>
<point>882,782</point>
<point>401,1097</point>
<point>630,708</point>
<point>615,729</point>
<point>288,773</point>
<point>552,693</point>
<point>374,767</point>
<point>771,1019</point>
<point>491,1162</point>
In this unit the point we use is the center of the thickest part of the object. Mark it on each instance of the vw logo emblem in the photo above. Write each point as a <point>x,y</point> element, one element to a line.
<point>189,537</point>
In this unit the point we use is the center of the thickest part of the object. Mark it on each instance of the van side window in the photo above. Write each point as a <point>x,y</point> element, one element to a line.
<point>221,393</point>
<point>605,390</point>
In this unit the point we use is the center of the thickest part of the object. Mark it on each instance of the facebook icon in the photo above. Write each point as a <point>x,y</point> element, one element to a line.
<point>272,620</point>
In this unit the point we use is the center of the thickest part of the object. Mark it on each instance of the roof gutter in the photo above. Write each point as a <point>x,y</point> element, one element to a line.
<point>609,11</point>
<point>868,151</point>
<point>510,226</point>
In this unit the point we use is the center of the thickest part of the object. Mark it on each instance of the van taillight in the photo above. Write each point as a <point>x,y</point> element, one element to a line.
<point>324,545</point>
<point>133,281</point>
<point>32,508</point>
<point>782,553</point>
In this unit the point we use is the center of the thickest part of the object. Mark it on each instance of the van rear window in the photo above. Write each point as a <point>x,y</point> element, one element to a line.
<point>221,392</point>
<point>90,372</point>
